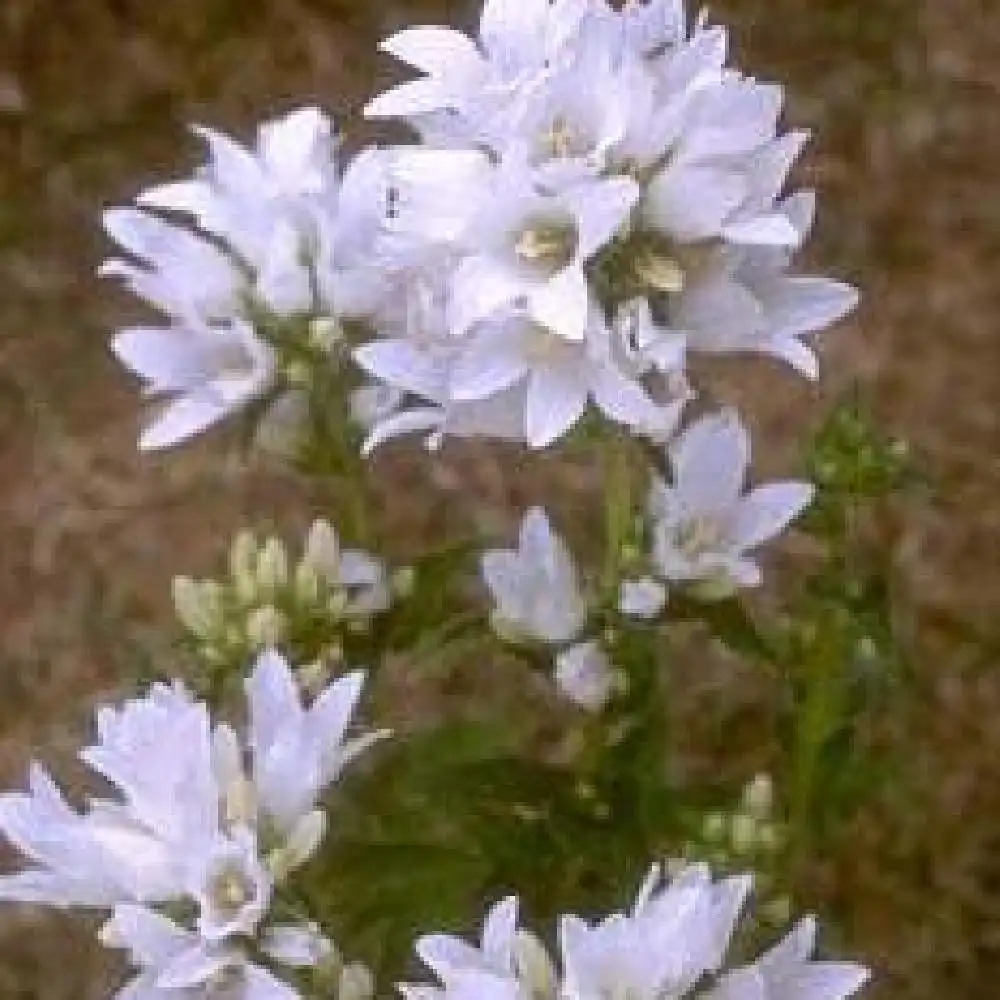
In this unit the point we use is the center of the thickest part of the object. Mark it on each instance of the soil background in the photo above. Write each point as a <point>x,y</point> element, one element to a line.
<point>903,98</point>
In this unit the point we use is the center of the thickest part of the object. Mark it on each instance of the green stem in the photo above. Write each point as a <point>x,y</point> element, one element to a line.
<point>617,513</point>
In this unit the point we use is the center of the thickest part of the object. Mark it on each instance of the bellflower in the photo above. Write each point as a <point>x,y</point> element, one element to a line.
<point>672,944</point>
<point>243,259</point>
<point>704,524</point>
<point>191,824</point>
<point>536,586</point>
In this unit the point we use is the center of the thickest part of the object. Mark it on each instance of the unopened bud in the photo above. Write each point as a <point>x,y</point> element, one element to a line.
<point>758,796</point>
<point>199,605</point>
<point>322,549</point>
<point>403,581</point>
<point>302,844</point>
<point>243,566</point>
<point>356,982</point>
<point>534,965</point>
<point>325,332</point>
<point>240,802</point>
<point>307,584</point>
<point>742,833</point>
<point>266,626</point>
<point>272,568</point>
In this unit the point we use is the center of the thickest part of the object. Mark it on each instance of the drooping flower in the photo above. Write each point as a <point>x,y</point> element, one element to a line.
<point>704,523</point>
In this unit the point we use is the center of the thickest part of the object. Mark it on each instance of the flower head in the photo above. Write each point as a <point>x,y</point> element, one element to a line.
<point>192,829</point>
<point>704,524</point>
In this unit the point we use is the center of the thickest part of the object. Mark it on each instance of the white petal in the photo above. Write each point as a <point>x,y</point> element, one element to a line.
<point>797,305</point>
<point>562,303</point>
<point>767,510</point>
<point>489,364</point>
<point>762,230</point>
<point>795,353</point>
<point>437,51</point>
<point>274,700</point>
<point>710,460</point>
<point>691,202</point>
<point>191,967</point>
<point>181,419</point>
<point>480,286</point>
<point>556,400</point>
<point>601,208</point>
<point>407,100</point>
<point>402,365</point>
<point>151,939</point>
<point>298,946</point>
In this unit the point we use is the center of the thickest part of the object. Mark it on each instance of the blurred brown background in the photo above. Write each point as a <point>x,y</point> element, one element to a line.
<point>903,98</point>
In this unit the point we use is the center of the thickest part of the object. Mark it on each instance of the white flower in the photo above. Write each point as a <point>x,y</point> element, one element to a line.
<point>747,302</point>
<point>583,674</point>
<point>190,826</point>
<point>361,577</point>
<point>276,245</point>
<point>672,938</point>
<point>299,751</point>
<point>671,944</point>
<point>205,372</point>
<point>727,169</point>
<point>175,964</point>
<point>517,245</point>
<point>465,92</point>
<point>704,525</point>
<point>536,586</point>
<point>509,963</point>
<point>787,972</point>
<point>644,597</point>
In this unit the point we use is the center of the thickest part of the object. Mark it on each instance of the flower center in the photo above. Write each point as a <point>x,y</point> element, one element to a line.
<point>700,535</point>
<point>547,244</point>
<point>230,890</point>
<point>560,140</point>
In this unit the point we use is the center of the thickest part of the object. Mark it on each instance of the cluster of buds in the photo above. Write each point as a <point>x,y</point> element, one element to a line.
<point>749,836</point>
<point>269,600</point>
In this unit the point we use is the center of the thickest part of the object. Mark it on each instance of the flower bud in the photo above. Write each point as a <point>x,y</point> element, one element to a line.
<point>322,549</point>
<point>266,626</point>
<point>403,581</point>
<point>199,605</point>
<point>307,584</point>
<point>356,982</point>
<point>302,844</point>
<point>272,568</point>
<point>243,566</point>
<point>325,332</point>
<point>742,833</point>
<point>534,965</point>
<point>758,796</point>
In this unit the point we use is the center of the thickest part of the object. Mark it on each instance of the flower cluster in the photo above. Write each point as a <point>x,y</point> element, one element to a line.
<point>595,195</point>
<point>269,600</point>
<point>672,943</point>
<point>205,831</point>
<point>701,527</point>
